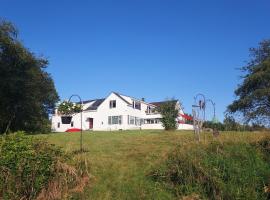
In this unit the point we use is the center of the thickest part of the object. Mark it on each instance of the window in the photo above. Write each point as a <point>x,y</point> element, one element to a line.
<point>72,124</point>
<point>149,110</point>
<point>58,125</point>
<point>131,120</point>
<point>152,121</point>
<point>134,120</point>
<point>113,104</point>
<point>137,105</point>
<point>114,120</point>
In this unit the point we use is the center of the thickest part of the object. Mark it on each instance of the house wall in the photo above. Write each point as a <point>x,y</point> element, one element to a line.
<point>185,127</point>
<point>122,108</point>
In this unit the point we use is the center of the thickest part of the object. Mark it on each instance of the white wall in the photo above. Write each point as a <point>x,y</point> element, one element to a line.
<point>152,126</point>
<point>185,127</point>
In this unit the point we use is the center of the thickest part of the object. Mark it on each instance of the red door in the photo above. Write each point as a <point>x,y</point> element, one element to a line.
<point>91,120</point>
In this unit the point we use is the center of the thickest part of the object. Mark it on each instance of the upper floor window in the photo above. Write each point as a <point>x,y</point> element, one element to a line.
<point>113,104</point>
<point>150,110</point>
<point>137,105</point>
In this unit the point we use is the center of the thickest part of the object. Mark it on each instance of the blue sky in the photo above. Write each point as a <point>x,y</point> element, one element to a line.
<point>153,49</point>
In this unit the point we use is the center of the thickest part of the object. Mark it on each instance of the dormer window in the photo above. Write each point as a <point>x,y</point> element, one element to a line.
<point>148,111</point>
<point>136,105</point>
<point>113,104</point>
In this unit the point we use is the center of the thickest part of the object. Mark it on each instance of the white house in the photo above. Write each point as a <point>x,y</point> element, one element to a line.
<point>117,112</point>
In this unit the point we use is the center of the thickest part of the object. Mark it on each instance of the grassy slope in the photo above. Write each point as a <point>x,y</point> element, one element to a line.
<point>120,161</point>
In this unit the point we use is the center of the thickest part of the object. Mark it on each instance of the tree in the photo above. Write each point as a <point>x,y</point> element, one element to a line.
<point>253,94</point>
<point>230,124</point>
<point>28,94</point>
<point>169,113</point>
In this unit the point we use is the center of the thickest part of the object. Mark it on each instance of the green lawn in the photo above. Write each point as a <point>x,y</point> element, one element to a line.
<point>119,162</point>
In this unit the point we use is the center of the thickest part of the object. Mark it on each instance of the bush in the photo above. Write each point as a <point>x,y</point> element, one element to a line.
<point>169,114</point>
<point>216,171</point>
<point>264,146</point>
<point>31,168</point>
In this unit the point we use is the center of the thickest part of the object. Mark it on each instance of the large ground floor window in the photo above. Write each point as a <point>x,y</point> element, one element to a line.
<point>132,120</point>
<point>152,121</point>
<point>115,119</point>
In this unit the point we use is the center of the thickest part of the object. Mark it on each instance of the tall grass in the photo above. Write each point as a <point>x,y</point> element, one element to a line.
<point>120,162</point>
<point>229,168</point>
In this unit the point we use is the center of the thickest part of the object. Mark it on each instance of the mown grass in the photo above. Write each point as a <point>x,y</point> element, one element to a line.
<point>120,162</point>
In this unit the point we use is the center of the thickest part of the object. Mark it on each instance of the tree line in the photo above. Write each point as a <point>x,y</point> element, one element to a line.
<point>27,91</point>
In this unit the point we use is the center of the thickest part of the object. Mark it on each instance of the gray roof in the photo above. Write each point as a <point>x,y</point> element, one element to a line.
<point>95,105</point>
<point>162,102</point>
<point>87,101</point>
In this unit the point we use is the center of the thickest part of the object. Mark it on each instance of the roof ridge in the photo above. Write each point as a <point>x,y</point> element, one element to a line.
<point>119,95</point>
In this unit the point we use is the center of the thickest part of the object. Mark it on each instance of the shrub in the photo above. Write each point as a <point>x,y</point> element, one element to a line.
<point>169,114</point>
<point>216,171</point>
<point>31,168</point>
<point>264,146</point>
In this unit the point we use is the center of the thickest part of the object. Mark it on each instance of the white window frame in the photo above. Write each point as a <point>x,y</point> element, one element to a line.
<point>113,120</point>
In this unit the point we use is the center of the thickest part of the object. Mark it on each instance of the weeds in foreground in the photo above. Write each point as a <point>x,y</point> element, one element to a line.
<point>217,170</point>
<point>31,168</point>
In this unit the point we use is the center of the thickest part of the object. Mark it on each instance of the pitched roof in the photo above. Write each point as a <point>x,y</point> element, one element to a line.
<point>118,95</point>
<point>98,102</point>
<point>162,102</point>
<point>95,105</point>
<point>87,101</point>
<point>132,98</point>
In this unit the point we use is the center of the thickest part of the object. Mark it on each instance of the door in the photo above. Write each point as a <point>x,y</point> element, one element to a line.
<point>91,122</point>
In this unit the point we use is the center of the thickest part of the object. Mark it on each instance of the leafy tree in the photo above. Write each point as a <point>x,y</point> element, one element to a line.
<point>169,113</point>
<point>230,124</point>
<point>28,94</point>
<point>253,93</point>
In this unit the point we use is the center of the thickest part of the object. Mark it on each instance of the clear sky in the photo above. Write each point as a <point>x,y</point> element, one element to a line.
<point>152,49</point>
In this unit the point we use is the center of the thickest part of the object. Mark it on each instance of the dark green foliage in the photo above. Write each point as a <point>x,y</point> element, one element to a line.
<point>264,146</point>
<point>169,114</point>
<point>27,91</point>
<point>254,92</point>
<point>31,168</point>
<point>216,171</point>
<point>26,166</point>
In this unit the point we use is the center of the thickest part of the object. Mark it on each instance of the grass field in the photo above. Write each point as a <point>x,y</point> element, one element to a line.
<point>119,162</point>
